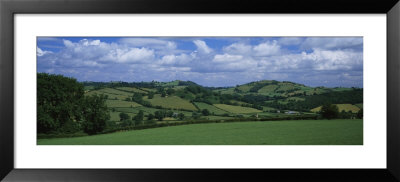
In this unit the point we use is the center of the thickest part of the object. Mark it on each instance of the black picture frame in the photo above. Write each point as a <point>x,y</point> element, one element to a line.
<point>8,8</point>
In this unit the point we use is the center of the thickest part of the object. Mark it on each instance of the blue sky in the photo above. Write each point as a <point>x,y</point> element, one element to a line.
<point>209,61</point>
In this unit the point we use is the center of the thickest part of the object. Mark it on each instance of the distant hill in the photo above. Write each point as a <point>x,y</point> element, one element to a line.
<point>276,95</point>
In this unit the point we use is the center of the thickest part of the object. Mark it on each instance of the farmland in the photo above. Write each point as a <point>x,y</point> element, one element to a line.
<point>236,109</point>
<point>211,108</point>
<point>305,132</point>
<point>342,107</point>
<point>172,102</point>
<point>258,113</point>
<point>121,103</point>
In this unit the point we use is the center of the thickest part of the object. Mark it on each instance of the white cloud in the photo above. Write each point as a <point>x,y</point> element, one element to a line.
<point>134,55</point>
<point>149,42</point>
<point>175,59</point>
<point>40,52</point>
<point>159,59</point>
<point>267,49</point>
<point>318,60</point>
<point>227,58</point>
<point>202,47</point>
<point>238,48</point>
<point>332,43</point>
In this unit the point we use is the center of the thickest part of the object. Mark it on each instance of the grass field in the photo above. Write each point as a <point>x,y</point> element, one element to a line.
<point>236,109</point>
<point>210,108</point>
<point>112,93</point>
<point>345,107</point>
<point>121,103</point>
<point>131,89</point>
<point>300,132</point>
<point>269,89</point>
<point>172,102</point>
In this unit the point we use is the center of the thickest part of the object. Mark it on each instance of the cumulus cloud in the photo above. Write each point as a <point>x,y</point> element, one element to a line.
<point>333,43</point>
<point>40,52</point>
<point>149,42</point>
<point>267,49</point>
<point>202,46</point>
<point>227,58</point>
<point>238,48</point>
<point>129,55</point>
<point>171,59</point>
<point>234,61</point>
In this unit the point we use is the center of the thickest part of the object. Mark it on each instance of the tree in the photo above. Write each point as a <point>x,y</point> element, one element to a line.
<point>159,115</point>
<point>360,114</point>
<point>169,114</point>
<point>329,111</point>
<point>123,116</point>
<point>95,114</point>
<point>59,105</point>
<point>128,99</point>
<point>138,117</point>
<point>126,123</point>
<point>181,116</point>
<point>137,97</point>
<point>151,95</point>
<point>150,117</point>
<point>163,94</point>
<point>196,115</point>
<point>170,91</point>
<point>205,112</point>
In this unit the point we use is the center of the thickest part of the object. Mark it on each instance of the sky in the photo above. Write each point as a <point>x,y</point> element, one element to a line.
<point>208,61</point>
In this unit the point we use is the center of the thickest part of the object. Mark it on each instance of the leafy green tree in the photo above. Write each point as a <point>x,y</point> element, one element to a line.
<point>205,112</point>
<point>360,114</point>
<point>181,116</point>
<point>163,94</point>
<point>196,115</point>
<point>123,116</point>
<point>137,97</point>
<point>150,117</point>
<point>126,123</point>
<point>170,91</point>
<point>329,111</point>
<point>95,114</point>
<point>169,114</point>
<point>345,115</point>
<point>59,101</point>
<point>159,115</point>
<point>139,116</point>
<point>151,95</point>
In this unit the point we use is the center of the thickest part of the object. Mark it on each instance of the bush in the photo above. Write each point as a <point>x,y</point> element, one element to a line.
<point>329,111</point>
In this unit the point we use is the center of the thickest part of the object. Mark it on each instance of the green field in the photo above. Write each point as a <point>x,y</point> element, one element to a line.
<point>111,93</point>
<point>300,132</point>
<point>172,102</point>
<point>236,109</point>
<point>342,107</point>
<point>121,103</point>
<point>210,108</point>
<point>269,89</point>
<point>131,89</point>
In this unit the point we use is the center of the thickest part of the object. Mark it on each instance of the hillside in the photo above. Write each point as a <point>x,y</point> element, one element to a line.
<point>260,99</point>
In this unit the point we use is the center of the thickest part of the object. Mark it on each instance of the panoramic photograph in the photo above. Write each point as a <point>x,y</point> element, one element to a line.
<point>199,90</point>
